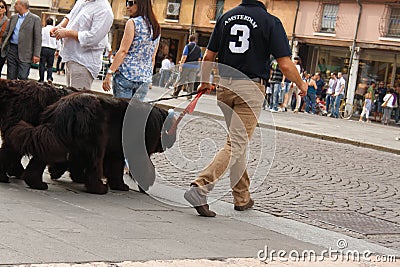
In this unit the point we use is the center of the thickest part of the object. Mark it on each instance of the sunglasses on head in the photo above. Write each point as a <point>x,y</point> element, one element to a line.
<point>2,7</point>
<point>130,3</point>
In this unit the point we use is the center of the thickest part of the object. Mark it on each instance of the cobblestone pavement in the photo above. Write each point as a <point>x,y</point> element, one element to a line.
<point>300,178</point>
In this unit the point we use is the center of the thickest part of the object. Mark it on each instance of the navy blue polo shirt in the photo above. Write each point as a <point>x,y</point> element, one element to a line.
<point>245,37</point>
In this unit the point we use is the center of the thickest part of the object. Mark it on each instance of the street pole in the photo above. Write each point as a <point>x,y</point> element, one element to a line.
<point>353,68</point>
<point>293,44</point>
<point>192,28</point>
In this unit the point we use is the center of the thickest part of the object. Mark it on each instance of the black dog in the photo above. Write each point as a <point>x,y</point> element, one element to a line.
<point>86,130</point>
<point>22,100</point>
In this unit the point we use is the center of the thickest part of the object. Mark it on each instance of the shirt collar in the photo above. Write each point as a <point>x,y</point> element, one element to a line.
<point>253,3</point>
<point>23,15</point>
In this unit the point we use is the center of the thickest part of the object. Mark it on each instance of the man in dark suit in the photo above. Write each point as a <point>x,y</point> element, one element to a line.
<point>22,41</point>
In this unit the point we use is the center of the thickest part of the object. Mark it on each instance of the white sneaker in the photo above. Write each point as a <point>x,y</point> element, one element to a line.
<point>280,109</point>
<point>397,138</point>
<point>274,111</point>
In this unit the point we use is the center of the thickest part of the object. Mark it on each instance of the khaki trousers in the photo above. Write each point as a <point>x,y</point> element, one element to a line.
<point>241,102</point>
<point>78,76</point>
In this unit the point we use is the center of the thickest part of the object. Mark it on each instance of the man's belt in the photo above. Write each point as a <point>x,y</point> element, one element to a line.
<point>256,80</point>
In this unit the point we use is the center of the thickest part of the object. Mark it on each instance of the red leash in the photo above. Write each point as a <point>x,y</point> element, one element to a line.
<point>189,109</point>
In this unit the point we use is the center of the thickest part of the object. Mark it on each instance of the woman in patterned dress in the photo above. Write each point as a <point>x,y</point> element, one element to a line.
<point>132,68</point>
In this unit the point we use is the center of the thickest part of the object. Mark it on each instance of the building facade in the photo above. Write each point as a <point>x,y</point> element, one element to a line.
<point>360,38</point>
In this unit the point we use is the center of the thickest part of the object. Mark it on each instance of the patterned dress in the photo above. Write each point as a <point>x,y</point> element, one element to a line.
<point>137,65</point>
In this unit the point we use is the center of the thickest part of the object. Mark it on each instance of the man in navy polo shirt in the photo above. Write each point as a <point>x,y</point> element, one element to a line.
<point>190,66</point>
<point>243,38</point>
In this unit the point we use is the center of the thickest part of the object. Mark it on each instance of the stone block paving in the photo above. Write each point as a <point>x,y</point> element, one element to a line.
<point>294,176</point>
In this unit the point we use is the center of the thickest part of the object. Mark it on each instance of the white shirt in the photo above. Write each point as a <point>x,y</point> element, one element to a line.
<point>331,84</point>
<point>166,64</point>
<point>389,97</point>
<point>48,41</point>
<point>340,81</point>
<point>92,19</point>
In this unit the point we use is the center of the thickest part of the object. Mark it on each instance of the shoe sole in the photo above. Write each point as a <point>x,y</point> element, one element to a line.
<point>202,210</point>
<point>249,205</point>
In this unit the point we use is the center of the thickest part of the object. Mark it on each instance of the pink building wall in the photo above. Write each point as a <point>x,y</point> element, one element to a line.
<point>369,24</point>
<point>368,32</point>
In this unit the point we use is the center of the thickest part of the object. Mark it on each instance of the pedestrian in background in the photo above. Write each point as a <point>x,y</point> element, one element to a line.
<point>389,99</point>
<point>3,25</point>
<point>47,54</point>
<point>133,64</point>
<point>339,94</point>
<point>240,100</point>
<point>311,94</point>
<point>320,85</point>
<point>84,36</point>
<point>330,93</point>
<point>189,66</point>
<point>22,41</point>
<point>286,84</point>
<point>165,71</point>
<point>59,65</point>
<point>276,80</point>
<point>397,106</point>
<point>294,89</point>
<point>380,93</point>
<point>366,107</point>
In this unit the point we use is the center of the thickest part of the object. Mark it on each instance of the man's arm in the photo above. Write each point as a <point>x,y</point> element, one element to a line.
<point>290,71</point>
<point>101,25</point>
<point>183,59</point>
<point>341,88</point>
<point>37,39</point>
<point>62,24</point>
<point>206,67</point>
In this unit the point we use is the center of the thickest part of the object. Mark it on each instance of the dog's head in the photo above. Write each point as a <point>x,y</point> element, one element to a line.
<point>168,137</point>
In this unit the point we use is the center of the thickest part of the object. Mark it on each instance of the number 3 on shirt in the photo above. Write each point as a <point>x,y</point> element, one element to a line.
<point>244,39</point>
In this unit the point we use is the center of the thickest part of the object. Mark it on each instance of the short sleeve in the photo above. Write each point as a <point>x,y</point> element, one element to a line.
<point>213,43</point>
<point>185,50</point>
<point>280,43</point>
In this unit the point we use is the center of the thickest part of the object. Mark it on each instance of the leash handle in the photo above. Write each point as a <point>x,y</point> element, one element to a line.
<point>189,109</point>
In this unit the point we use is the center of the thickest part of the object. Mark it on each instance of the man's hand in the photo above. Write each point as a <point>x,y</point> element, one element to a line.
<point>204,87</point>
<point>61,33</point>
<point>53,31</point>
<point>303,88</point>
<point>107,83</point>
<point>35,59</point>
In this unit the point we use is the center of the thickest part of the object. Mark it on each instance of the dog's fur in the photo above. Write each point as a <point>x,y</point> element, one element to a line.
<point>86,130</point>
<point>22,100</point>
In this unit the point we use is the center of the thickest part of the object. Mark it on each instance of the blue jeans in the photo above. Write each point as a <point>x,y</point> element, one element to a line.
<point>397,114</point>
<point>310,102</point>
<point>286,88</point>
<point>124,88</point>
<point>335,112</point>
<point>329,102</point>
<point>164,77</point>
<point>276,91</point>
